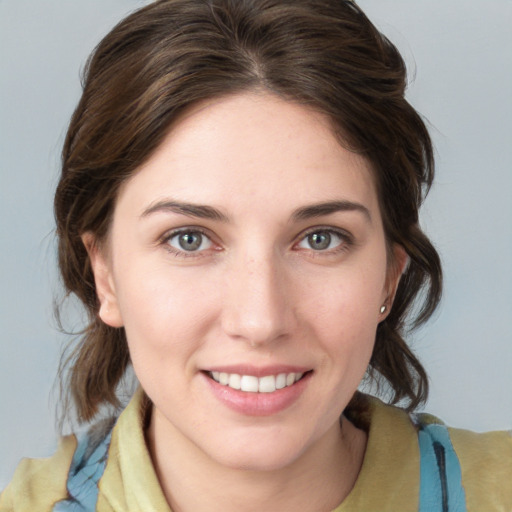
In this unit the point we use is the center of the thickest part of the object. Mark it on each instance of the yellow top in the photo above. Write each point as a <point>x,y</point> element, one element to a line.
<point>388,481</point>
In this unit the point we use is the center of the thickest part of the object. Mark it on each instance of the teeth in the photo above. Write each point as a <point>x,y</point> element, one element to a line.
<point>281,381</point>
<point>252,384</point>
<point>267,384</point>
<point>235,381</point>
<point>249,383</point>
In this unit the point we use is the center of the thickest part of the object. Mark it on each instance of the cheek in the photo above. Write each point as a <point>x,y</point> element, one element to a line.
<point>344,312</point>
<point>165,313</point>
<point>352,295</point>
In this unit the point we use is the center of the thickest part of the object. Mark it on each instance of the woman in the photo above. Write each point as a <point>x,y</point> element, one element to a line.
<point>238,213</point>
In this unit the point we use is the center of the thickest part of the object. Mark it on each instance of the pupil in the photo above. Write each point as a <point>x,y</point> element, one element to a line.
<point>320,240</point>
<point>190,241</point>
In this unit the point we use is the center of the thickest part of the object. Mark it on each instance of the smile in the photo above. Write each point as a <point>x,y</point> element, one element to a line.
<point>252,384</point>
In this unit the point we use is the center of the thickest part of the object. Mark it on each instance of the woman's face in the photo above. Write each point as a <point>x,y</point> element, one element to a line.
<point>248,252</point>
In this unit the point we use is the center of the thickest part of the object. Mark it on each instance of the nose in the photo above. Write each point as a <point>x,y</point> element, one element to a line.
<point>258,303</point>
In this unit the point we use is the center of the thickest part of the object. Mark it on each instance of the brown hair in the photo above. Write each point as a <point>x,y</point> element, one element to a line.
<point>171,54</point>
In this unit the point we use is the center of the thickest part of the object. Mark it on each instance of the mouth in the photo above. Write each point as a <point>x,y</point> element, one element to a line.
<point>253,391</point>
<point>253,384</point>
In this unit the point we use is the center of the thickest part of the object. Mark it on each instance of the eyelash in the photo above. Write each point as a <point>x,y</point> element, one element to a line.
<point>346,241</point>
<point>165,240</point>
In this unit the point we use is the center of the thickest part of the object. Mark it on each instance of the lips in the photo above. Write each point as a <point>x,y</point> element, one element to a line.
<point>256,391</point>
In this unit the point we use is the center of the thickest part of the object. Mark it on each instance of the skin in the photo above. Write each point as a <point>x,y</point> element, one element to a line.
<point>257,291</point>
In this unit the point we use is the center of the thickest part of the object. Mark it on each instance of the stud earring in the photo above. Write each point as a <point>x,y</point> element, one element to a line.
<point>383,309</point>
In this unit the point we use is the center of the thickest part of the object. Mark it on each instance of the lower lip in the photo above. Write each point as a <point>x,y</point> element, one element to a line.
<point>258,404</point>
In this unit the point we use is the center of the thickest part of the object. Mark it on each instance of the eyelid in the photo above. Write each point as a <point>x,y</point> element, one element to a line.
<point>168,235</point>
<point>347,240</point>
<point>346,237</point>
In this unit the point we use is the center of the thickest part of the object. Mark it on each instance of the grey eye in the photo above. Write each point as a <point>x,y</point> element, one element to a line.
<point>319,241</point>
<point>190,241</point>
<point>322,240</point>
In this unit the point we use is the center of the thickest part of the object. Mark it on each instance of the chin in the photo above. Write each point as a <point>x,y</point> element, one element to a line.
<point>258,462</point>
<point>257,454</point>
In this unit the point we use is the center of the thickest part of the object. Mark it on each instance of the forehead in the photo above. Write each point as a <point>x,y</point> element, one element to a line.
<point>242,149</point>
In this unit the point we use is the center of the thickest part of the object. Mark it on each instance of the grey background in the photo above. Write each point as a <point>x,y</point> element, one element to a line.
<point>459,53</point>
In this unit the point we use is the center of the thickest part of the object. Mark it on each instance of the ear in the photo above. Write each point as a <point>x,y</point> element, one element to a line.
<point>396,268</point>
<point>102,269</point>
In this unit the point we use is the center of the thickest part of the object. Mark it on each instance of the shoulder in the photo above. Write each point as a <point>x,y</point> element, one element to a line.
<point>484,459</point>
<point>481,462</point>
<point>436,464</point>
<point>486,465</point>
<point>70,476</point>
<point>38,484</point>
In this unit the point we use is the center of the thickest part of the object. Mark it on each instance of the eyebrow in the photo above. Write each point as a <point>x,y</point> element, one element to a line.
<point>211,213</point>
<point>329,207</point>
<point>188,209</point>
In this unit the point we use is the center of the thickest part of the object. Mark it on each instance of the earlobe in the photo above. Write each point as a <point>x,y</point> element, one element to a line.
<point>105,290</point>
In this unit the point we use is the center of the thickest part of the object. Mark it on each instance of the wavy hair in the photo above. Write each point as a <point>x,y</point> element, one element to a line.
<point>171,54</point>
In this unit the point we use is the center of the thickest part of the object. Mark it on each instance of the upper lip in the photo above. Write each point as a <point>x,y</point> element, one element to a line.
<point>258,371</point>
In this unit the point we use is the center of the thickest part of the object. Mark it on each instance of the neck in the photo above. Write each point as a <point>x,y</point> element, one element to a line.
<point>319,479</point>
